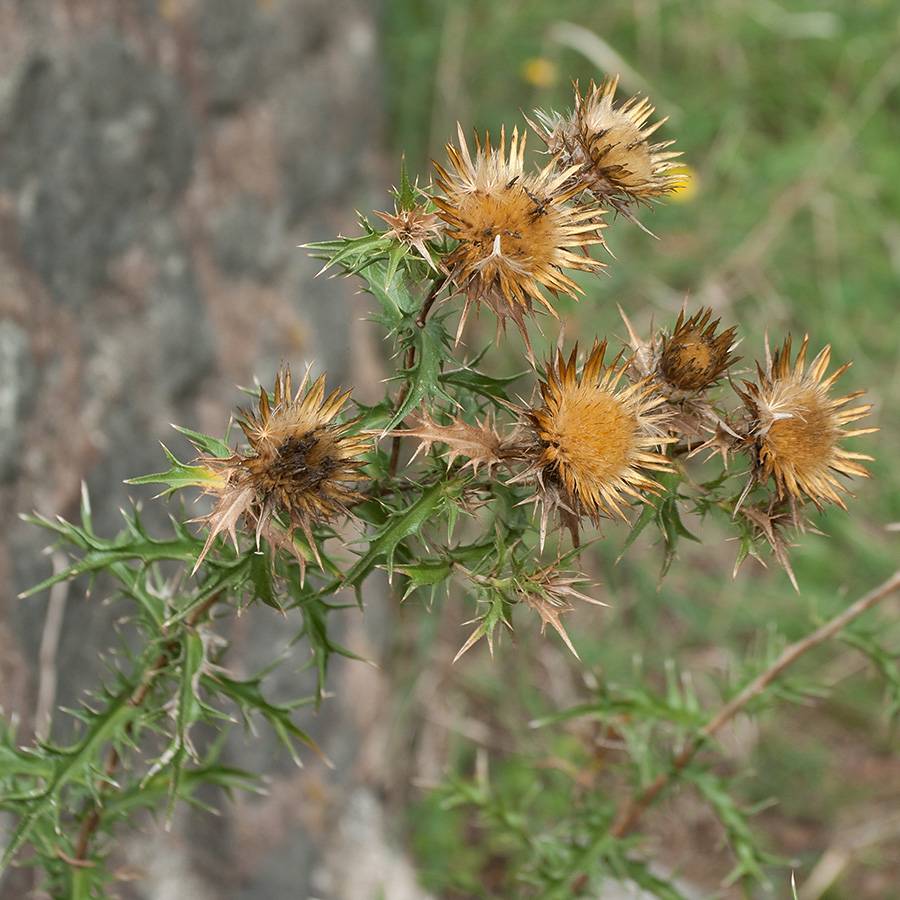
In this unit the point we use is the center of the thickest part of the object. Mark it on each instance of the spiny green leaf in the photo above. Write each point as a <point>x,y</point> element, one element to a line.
<point>637,701</point>
<point>249,698</point>
<point>22,762</point>
<point>352,254</point>
<point>148,793</point>
<point>647,515</point>
<point>178,476</point>
<point>147,587</point>
<point>102,554</point>
<point>885,661</point>
<point>398,306</point>
<point>476,558</point>
<point>480,556</point>
<point>223,576</point>
<point>76,764</point>
<point>260,571</point>
<point>680,694</point>
<point>405,194</point>
<point>399,525</point>
<point>489,387</point>
<point>638,872</point>
<point>664,511</point>
<point>718,792</point>
<point>428,573</point>
<point>673,528</point>
<point>498,611</point>
<point>747,547</point>
<point>315,630</point>
<point>203,442</point>
<point>372,418</point>
<point>397,252</point>
<point>187,711</point>
<point>423,379</point>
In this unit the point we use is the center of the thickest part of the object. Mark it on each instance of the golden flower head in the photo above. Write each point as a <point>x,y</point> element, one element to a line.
<point>796,427</point>
<point>693,358</point>
<point>594,439</point>
<point>515,231</point>
<point>301,466</point>
<point>610,147</point>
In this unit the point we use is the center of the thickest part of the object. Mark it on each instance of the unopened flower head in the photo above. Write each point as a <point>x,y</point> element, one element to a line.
<point>413,227</point>
<point>797,427</point>
<point>548,592</point>
<point>515,231</point>
<point>694,357</point>
<point>610,147</point>
<point>302,466</point>
<point>594,439</point>
<point>682,366</point>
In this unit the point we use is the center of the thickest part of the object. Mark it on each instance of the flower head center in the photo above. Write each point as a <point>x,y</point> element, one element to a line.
<point>805,434</point>
<point>501,228</point>
<point>591,435</point>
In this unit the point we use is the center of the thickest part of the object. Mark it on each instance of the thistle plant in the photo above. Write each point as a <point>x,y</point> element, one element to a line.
<point>491,486</point>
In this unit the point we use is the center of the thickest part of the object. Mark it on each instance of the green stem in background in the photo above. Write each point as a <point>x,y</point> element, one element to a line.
<point>632,810</point>
<point>410,361</point>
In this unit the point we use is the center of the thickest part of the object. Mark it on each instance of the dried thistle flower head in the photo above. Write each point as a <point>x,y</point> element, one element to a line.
<point>594,440</point>
<point>515,231</point>
<point>682,366</point>
<point>610,146</point>
<point>302,465</point>
<point>796,427</point>
<point>693,358</point>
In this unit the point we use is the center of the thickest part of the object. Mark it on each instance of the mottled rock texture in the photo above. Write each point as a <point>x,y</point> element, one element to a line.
<point>159,164</point>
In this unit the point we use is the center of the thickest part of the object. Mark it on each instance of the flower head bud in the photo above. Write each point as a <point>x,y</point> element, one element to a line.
<point>693,358</point>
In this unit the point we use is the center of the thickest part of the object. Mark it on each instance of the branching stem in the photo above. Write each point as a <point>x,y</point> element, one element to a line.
<point>632,810</point>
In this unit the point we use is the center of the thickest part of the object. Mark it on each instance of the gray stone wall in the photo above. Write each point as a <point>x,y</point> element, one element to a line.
<point>160,161</point>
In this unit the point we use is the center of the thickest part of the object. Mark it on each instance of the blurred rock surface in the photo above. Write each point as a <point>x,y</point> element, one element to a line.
<point>160,161</point>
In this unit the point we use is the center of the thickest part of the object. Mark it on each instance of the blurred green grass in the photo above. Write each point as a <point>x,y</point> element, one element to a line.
<point>788,116</point>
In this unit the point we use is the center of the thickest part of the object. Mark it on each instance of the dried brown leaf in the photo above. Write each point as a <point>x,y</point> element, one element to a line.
<point>479,444</point>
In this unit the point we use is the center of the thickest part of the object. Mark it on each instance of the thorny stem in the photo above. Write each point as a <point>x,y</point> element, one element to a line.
<point>410,361</point>
<point>631,811</point>
<point>91,821</point>
<point>428,302</point>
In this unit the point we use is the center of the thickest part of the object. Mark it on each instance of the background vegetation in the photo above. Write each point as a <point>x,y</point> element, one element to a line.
<point>789,120</point>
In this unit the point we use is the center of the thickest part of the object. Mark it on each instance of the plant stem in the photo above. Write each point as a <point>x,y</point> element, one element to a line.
<point>410,361</point>
<point>91,821</point>
<point>631,811</point>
